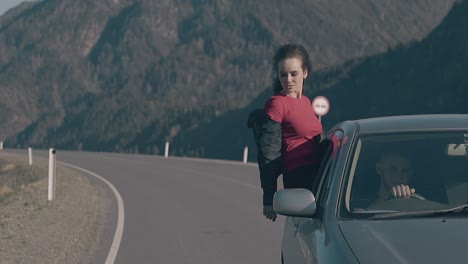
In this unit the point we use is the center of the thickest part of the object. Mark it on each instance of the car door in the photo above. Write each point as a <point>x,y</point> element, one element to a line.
<point>299,244</point>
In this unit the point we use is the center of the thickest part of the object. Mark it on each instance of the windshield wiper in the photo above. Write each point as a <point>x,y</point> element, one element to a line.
<point>457,209</point>
<point>363,211</point>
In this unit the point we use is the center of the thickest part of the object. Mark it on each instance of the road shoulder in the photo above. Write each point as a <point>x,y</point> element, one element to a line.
<point>74,228</point>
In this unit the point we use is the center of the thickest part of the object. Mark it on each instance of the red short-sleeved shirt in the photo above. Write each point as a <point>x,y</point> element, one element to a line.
<point>299,126</point>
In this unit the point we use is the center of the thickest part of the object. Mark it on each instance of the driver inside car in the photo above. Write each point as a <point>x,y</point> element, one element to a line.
<point>395,171</point>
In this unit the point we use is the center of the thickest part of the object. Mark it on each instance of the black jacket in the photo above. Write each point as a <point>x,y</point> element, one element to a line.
<point>268,138</point>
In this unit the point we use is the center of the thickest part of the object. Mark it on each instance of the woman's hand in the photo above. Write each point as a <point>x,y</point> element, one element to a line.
<point>269,213</point>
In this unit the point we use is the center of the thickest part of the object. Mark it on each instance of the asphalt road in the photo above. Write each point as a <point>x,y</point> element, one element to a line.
<point>185,210</point>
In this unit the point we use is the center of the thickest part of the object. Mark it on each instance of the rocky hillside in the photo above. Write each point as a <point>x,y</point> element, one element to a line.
<point>420,78</point>
<point>123,75</point>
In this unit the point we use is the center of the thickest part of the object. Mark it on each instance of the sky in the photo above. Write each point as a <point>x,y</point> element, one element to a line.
<point>7,4</point>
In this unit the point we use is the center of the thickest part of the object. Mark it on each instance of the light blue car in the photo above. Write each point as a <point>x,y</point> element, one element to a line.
<point>390,190</point>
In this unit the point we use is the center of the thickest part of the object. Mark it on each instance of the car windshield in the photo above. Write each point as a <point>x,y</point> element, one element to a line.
<point>408,172</point>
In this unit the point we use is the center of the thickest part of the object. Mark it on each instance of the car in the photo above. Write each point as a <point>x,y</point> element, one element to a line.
<point>352,215</point>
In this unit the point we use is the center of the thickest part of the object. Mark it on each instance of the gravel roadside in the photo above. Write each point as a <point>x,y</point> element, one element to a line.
<point>70,229</point>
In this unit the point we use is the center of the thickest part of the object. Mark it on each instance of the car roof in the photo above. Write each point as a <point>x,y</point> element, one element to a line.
<point>407,123</point>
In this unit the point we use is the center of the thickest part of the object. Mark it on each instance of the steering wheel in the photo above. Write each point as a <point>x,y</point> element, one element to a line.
<point>417,196</point>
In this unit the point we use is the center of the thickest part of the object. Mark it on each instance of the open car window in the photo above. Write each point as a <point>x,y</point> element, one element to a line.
<point>433,165</point>
<point>331,145</point>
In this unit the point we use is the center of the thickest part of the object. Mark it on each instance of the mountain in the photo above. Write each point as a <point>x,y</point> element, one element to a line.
<point>127,75</point>
<point>426,77</point>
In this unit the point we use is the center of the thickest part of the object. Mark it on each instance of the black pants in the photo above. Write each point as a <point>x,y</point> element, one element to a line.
<point>302,177</point>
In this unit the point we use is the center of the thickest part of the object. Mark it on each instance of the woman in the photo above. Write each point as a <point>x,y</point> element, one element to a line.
<point>290,115</point>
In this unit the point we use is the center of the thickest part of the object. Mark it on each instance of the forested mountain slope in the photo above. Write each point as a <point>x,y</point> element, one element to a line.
<point>426,77</point>
<point>127,75</point>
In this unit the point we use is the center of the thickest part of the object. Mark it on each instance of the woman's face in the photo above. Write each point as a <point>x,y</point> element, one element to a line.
<point>291,75</point>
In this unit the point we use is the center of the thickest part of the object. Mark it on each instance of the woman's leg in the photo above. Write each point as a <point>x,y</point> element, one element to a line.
<point>302,177</point>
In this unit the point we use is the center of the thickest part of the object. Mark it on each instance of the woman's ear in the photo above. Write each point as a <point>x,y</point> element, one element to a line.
<point>306,73</point>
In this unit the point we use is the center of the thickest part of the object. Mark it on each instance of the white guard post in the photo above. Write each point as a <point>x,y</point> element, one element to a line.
<point>166,150</point>
<point>246,153</point>
<point>52,174</point>
<point>1,145</point>
<point>30,156</point>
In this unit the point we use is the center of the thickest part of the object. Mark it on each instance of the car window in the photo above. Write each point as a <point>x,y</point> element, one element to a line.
<point>431,167</point>
<point>331,145</point>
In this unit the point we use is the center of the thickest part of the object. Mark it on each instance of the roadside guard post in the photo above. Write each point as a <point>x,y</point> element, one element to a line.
<point>52,176</point>
<point>321,106</point>
<point>246,154</point>
<point>166,150</point>
<point>30,156</point>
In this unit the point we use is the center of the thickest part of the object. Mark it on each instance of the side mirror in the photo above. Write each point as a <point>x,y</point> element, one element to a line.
<point>295,202</point>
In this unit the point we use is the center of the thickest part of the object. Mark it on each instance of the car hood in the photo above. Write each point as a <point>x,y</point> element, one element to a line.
<point>408,240</point>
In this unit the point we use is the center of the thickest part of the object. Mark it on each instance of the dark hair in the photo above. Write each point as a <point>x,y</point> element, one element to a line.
<point>285,52</point>
<point>393,153</point>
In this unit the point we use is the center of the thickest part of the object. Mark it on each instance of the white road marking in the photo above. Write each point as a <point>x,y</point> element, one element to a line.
<point>120,221</point>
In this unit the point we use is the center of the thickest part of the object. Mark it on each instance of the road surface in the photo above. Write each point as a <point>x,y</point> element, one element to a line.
<point>180,210</point>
